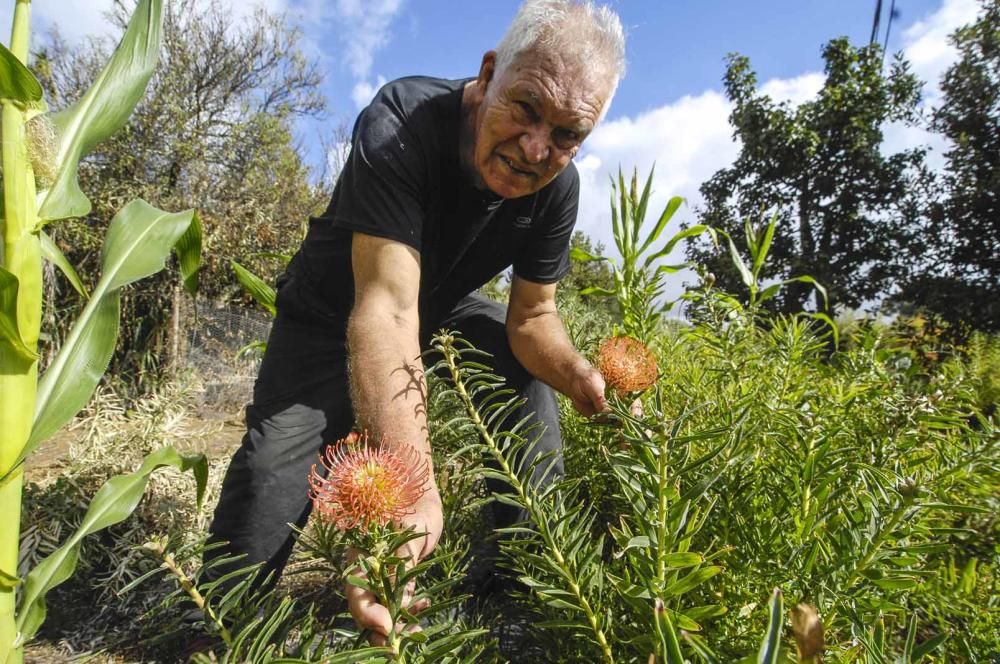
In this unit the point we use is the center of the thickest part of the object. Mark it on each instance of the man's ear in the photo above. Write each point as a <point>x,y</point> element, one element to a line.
<point>486,69</point>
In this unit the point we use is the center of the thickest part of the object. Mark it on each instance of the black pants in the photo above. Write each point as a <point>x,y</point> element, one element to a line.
<point>301,404</point>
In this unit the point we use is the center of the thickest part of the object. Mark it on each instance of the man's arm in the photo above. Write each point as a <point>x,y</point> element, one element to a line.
<point>540,343</point>
<point>387,382</point>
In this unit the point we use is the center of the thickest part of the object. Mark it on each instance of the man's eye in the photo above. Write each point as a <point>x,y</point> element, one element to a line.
<point>526,111</point>
<point>566,139</point>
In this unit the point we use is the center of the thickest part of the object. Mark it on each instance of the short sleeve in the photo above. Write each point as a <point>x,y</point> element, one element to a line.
<point>545,257</point>
<point>382,184</point>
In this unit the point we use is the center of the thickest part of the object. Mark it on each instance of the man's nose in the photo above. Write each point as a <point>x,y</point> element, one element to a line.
<point>535,145</point>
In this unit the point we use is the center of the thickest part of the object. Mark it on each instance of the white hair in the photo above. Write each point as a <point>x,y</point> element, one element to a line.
<point>592,34</point>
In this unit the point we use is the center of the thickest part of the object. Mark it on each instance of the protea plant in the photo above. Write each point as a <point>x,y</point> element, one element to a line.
<point>40,156</point>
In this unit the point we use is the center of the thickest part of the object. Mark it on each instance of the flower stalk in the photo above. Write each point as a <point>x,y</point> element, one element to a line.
<point>537,516</point>
<point>363,491</point>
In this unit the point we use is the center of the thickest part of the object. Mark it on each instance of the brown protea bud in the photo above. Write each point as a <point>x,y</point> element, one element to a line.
<point>626,364</point>
<point>808,631</point>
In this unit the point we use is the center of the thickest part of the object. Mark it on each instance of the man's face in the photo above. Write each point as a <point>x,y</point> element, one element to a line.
<point>533,120</point>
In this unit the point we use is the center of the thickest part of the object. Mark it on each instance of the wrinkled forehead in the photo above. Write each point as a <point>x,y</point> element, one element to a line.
<point>560,78</point>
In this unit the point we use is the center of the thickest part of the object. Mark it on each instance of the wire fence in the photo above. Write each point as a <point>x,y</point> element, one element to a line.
<point>217,345</point>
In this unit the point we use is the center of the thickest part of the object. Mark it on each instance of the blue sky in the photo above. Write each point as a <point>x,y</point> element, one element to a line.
<point>669,109</point>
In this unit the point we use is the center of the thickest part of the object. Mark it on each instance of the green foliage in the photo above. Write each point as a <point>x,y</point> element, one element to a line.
<point>963,261</point>
<point>638,285</point>
<point>139,241</point>
<point>115,501</point>
<point>215,131</point>
<point>844,208</point>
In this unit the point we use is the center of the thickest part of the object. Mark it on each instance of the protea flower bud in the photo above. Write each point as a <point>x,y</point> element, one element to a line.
<point>367,487</point>
<point>627,364</point>
<point>808,631</point>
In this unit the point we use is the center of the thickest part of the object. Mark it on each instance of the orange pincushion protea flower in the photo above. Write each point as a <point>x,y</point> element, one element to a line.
<point>366,486</point>
<point>626,364</point>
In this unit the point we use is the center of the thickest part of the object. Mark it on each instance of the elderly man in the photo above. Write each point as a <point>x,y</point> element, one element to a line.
<point>447,184</point>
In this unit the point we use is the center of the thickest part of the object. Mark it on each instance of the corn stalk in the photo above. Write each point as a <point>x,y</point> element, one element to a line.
<point>139,241</point>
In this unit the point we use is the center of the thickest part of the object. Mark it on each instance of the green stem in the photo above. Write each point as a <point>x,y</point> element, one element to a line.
<point>21,257</point>
<point>192,591</point>
<point>532,507</point>
<point>661,517</point>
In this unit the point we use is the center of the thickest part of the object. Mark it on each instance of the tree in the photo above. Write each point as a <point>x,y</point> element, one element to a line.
<point>844,207</point>
<point>962,278</point>
<point>214,132</point>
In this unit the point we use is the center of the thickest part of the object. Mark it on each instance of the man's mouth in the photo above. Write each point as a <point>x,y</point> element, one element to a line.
<point>515,169</point>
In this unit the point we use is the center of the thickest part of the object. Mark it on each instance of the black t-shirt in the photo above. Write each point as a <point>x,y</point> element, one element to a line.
<point>402,181</point>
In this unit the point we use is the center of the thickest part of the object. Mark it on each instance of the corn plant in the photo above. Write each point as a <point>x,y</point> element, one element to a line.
<point>638,280</point>
<point>40,157</point>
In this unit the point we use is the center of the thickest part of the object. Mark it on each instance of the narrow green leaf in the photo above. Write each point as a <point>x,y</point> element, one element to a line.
<point>771,644</point>
<point>104,109</point>
<point>834,330</point>
<point>112,504</point>
<point>10,331</point>
<point>928,646</point>
<point>751,235</point>
<point>640,542</point>
<point>52,254</point>
<point>911,635</point>
<point>692,580</point>
<point>963,509</point>
<point>683,559</point>
<point>597,290</point>
<point>670,647</point>
<point>138,242</point>
<point>692,231</point>
<point>16,82</point>
<point>581,256</point>
<point>643,201</point>
<point>806,279</point>
<point>188,248</point>
<point>769,292</point>
<point>765,245</point>
<point>257,287</point>
<point>896,583</point>
<point>700,648</point>
<point>668,213</point>
<point>8,581</point>
<point>738,263</point>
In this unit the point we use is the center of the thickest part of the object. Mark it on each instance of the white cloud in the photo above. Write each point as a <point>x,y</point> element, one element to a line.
<point>363,91</point>
<point>364,29</point>
<point>794,90</point>
<point>925,43</point>
<point>690,139</point>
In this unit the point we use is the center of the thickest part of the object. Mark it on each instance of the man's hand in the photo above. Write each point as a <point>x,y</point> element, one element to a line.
<point>368,613</point>
<point>587,390</point>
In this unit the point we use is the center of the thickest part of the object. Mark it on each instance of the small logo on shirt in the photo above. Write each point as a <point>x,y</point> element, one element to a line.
<point>522,222</point>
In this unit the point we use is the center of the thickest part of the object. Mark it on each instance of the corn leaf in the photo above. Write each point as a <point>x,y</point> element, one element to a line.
<point>760,255</point>
<point>668,213</point>
<point>112,504</point>
<point>137,245</point>
<point>692,231</point>
<point>52,254</point>
<point>257,287</point>
<point>16,82</point>
<point>9,329</point>
<point>8,581</point>
<point>740,266</point>
<point>578,254</point>
<point>103,110</point>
